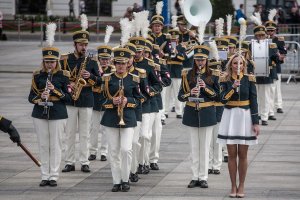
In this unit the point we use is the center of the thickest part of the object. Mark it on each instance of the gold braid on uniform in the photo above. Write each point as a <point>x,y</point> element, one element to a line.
<point>106,78</point>
<point>185,83</point>
<point>33,84</point>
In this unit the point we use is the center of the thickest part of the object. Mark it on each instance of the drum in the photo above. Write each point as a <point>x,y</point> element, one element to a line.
<point>260,55</point>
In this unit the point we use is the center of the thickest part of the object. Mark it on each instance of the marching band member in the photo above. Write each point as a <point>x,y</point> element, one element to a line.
<point>246,54</point>
<point>104,57</point>
<point>49,94</point>
<point>271,27</point>
<point>84,75</point>
<point>199,117</point>
<point>122,96</point>
<point>264,83</point>
<point>239,125</point>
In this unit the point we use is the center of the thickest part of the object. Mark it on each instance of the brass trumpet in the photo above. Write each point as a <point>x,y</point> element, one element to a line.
<point>120,106</point>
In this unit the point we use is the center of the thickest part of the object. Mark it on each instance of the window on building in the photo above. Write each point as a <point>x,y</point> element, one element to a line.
<point>31,6</point>
<point>105,7</point>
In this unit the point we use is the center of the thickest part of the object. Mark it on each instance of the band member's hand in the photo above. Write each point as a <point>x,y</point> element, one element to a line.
<point>236,84</point>
<point>50,86</point>
<point>14,135</point>
<point>202,84</point>
<point>45,95</point>
<point>116,100</point>
<point>124,101</point>
<point>255,129</point>
<point>85,74</point>
<point>195,91</point>
<point>161,54</point>
<point>223,74</point>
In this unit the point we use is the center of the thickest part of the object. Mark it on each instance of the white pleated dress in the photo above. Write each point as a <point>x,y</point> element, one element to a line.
<point>236,127</point>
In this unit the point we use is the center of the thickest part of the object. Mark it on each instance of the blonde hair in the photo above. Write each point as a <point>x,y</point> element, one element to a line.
<point>57,68</point>
<point>229,65</point>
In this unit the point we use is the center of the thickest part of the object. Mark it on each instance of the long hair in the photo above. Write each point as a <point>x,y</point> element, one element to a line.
<point>229,65</point>
<point>194,73</point>
<point>57,68</point>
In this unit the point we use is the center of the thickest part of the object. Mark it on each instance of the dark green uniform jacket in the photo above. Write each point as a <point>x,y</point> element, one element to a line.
<point>175,64</point>
<point>131,92</point>
<point>59,96</point>
<point>72,63</point>
<point>279,41</point>
<point>246,98</point>
<point>206,115</point>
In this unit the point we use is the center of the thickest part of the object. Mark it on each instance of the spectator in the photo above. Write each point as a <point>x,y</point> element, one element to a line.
<point>240,13</point>
<point>1,26</point>
<point>281,16</point>
<point>137,8</point>
<point>129,14</point>
<point>71,8</point>
<point>294,21</point>
<point>82,7</point>
<point>263,13</point>
<point>178,8</point>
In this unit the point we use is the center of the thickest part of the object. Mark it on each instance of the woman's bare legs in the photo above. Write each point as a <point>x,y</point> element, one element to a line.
<point>232,166</point>
<point>242,167</point>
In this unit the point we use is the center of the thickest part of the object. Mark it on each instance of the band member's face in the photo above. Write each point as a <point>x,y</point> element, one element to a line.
<point>157,28</point>
<point>182,27</point>
<point>81,48</point>
<point>130,62</point>
<point>50,65</point>
<point>235,64</point>
<point>260,36</point>
<point>146,54</point>
<point>121,67</point>
<point>200,62</point>
<point>104,62</point>
<point>139,54</point>
<point>231,49</point>
<point>271,33</point>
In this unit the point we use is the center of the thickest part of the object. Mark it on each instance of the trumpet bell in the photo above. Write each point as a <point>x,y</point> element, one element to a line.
<point>197,10</point>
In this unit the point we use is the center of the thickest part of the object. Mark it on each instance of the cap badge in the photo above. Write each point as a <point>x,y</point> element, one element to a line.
<point>49,52</point>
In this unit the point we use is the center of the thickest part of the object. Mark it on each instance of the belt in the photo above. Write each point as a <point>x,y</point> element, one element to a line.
<point>201,105</point>
<point>97,90</point>
<point>87,85</point>
<point>238,103</point>
<point>53,98</point>
<point>218,104</point>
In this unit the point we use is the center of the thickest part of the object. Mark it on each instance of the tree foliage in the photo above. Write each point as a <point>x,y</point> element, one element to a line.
<point>221,8</point>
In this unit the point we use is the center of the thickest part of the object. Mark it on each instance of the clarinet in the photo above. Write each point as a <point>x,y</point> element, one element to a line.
<point>198,94</point>
<point>46,107</point>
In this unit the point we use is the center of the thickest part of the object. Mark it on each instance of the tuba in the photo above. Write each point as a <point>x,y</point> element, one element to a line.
<point>79,81</point>
<point>197,10</point>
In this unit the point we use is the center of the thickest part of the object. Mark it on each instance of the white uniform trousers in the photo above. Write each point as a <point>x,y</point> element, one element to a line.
<point>155,139</point>
<point>163,97</point>
<point>215,152</point>
<point>263,94</point>
<point>96,131</point>
<point>81,117</point>
<point>200,143</point>
<point>144,137</point>
<point>171,95</point>
<point>119,152</point>
<point>136,147</point>
<point>272,99</point>
<point>278,95</point>
<point>49,134</point>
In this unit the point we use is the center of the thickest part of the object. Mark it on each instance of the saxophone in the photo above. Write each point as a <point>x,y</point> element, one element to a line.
<point>120,106</point>
<point>79,81</point>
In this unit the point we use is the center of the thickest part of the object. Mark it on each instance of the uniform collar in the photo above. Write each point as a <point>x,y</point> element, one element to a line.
<point>76,55</point>
<point>234,76</point>
<point>131,68</point>
<point>202,70</point>
<point>120,76</point>
<point>139,60</point>
<point>155,35</point>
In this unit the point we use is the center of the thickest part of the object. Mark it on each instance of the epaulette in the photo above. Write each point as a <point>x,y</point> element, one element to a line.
<point>94,58</point>
<point>281,38</point>
<point>156,67</point>
<point>135,78</point>
<point>155,46</point>
<point>223,79</point>
<point>215,72</point>
<point>252,62</point>
<point>112,68</point>
<point>184,72</point>
<point>36,72</point>
<point>168,36</point>
<point>251,77</point>
<point>162,61</point>
<point>273,45</point>
<point>64,56</point>
<point>142,72</point>
<point>151,63</point>
<point>106,77</point>
<point>66,73</point>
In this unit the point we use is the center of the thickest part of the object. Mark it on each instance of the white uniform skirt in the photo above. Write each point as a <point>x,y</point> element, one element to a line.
<point>236,127</point>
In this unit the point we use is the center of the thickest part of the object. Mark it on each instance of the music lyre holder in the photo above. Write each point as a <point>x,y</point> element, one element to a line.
<point>45,104</point>
<point>197,101</point>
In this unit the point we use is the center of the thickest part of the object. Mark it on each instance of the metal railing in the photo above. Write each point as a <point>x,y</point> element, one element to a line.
<point>291,66</point>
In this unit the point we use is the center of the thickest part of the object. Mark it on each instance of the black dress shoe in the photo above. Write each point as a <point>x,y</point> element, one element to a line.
<point>134,177</point>
<point>279,110</point>
<point>53,183</point>
<point>210,171</point>
<point>167,116</point>
<point>43,183</point>
<point>264,123</point>
<point>103,158</point>
<point>154,166</point>
<point>203,184</point>
<point>85,168</point>
<point>179,116</point>
<point>193,183</point>
<point>225,158</point>
<point>68,168</point>
<point>216,171</point>
<point>140,169</point>
<point>146,169</point>
<point>92,157</point>
<point>163,122</point>
<point>116,188</point>
<point>173,109</point>
<point>272,118</point>
<point>125,187</point>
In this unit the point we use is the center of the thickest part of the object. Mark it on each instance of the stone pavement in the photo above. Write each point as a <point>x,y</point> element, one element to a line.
<point>273,164</point>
